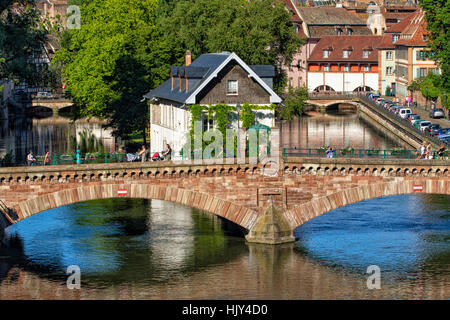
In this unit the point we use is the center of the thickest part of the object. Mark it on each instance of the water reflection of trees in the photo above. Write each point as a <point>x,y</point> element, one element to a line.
<point>116,235</point>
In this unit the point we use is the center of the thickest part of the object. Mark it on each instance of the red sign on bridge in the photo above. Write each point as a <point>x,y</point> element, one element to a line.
<point>122,192</point>
<point>417,187</point>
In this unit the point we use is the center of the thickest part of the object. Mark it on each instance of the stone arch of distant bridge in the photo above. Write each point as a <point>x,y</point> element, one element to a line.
<point>303,213</point>
<point>235,213</point>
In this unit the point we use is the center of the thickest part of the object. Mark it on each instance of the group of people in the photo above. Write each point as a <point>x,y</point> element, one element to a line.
<point>31,159</point>
<point>165,154</point>
<point>425,151</point>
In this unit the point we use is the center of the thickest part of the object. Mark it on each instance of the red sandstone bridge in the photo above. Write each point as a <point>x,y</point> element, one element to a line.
<point>269,207</point>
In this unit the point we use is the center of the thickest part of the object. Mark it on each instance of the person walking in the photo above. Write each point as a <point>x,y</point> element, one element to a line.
<point>78,157</point>
<point>422,151</point>
<point>440,151</point>
<point>46,159</point>
<point>143,154</point>
<point>31,160</point>
<point>428,152</point>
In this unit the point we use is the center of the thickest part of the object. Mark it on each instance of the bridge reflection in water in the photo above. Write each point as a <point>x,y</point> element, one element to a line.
<point>139,249</point>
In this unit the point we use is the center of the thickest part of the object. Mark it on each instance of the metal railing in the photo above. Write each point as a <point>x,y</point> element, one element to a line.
<point>85,159</point>
<point>357,153</point>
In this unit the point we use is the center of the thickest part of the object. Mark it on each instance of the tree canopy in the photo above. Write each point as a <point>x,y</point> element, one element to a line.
<point>116,56</point>
<point>437,16</point>
<point>21,38</point>
<point>259,31</point>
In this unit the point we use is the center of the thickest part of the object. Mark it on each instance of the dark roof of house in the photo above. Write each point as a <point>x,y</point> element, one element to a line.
<point>197,73</point>
<point>340,43</point>
<point>329,16</point>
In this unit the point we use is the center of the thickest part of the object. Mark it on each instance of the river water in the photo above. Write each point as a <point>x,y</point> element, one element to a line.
<point>151,249</point>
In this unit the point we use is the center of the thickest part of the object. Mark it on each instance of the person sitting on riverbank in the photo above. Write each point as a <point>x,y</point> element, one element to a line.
<point>330,152</point>
<point>31,160</point>
<point>143,154</point>
<point>167,154</point>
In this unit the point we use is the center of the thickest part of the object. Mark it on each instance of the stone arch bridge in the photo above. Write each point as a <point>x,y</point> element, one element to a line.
<point>269,207</point>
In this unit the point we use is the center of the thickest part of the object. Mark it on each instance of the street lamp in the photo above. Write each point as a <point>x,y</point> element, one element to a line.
<point>238,107</point>
<point>426,97</point>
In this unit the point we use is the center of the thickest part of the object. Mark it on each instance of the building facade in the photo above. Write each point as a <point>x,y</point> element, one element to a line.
<point>211,79</point>
<point>344,64</point>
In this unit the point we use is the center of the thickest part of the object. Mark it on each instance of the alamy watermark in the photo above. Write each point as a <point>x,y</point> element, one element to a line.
<point>250,146</point>
<point>73,17</point>
<point>74,279</point>
<point>374,280</point>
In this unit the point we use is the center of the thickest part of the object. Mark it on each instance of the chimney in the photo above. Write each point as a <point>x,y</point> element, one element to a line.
<point>188,58</point>
<point>171,81</point>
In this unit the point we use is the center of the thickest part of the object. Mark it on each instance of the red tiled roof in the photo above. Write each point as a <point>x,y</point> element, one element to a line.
<point>401,26</point>
<point>340,43</point>
<point>295,18</point>
<point>414,32</point>
<point>386,42</point>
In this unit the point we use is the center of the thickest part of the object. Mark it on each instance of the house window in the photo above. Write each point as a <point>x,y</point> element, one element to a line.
<point>366,68</point>
<point>290,82</point>
<point>326,68</point>
<point>338,31</point>
<point>349,31</point>
<point>345,54</point>
<point>299,81</point>
<point>346,68</point>
<point>326,53</point>
<point>389,55</point>
<point>366,54</point>
<point>232,87</point>
<point>395,38</point>
<point>421,72</point>
<point>389,70</point>
<point>296,28</point>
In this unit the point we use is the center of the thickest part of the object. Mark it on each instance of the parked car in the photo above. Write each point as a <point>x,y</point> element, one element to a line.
<point>422,125</point>
<point>404,112</point>
<point>413,117</point>
<point>437,113</point>
<point>432,128</point>
<point>44,95</point>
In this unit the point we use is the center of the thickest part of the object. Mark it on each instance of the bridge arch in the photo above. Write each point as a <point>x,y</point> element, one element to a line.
<point>235,213</point>
<point>303,213</point>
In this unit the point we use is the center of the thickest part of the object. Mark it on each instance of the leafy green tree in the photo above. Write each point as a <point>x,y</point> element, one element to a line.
<point>260,32</point>
<point>430,86</point>
<point>116,56</point>
<point>437,16</point>
<point>294,103</point>
<point>21,38</point>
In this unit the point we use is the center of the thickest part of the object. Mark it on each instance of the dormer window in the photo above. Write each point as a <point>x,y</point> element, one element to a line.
<point>349,31</point>
<point>338,31</point>
<point>366,54</point>
<point>395,38</point>
<point>296,28</point>
<point>327,52</point>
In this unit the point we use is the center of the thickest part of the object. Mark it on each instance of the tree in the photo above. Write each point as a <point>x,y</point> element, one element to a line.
<point>437,16</point>
<point>430,86</point>
<point>260,31</point>
<point>21,39</point>
<point>116,57</point>
<point>294,103</point>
